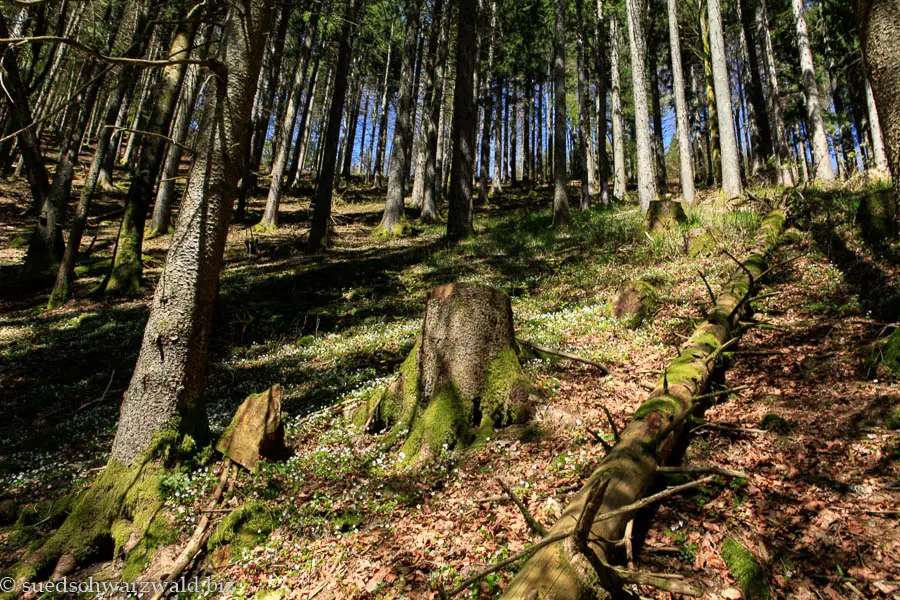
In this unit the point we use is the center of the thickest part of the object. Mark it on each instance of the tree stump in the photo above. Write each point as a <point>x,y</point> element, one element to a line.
<point>462,379</point>
<point>256,430</point>
<point>663,215</point>
<point>634,302</point>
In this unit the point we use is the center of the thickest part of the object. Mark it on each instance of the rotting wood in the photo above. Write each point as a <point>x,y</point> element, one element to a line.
<point>556,572</point>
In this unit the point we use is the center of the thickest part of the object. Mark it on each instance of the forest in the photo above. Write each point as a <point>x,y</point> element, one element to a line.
<point>433,299</point>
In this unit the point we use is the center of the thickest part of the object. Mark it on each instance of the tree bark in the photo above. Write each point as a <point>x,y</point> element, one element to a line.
<point>646,184</point>
<point>127,267</point>
<point>561,215</point>
<point>401,149</point>
<point>731,166</point>
<point>382,127</point>
<point>431,184</point>
<point>659,147</point>
<point>165,389</point>
<point>681,109</point>
<point>321,221</point>
<point>487,101</point>
<point>618,128</point>
<point>814,109</point>
<point>602,88</point>
<point>270,217</point>
<point>584,110</point>
<point>763,146</point>
<point>465,115</point>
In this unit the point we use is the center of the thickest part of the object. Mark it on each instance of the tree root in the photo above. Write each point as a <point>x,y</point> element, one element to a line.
<point>533,523</point>
<point>568,356</point>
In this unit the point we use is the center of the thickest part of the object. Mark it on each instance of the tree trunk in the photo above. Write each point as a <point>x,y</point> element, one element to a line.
<point>17,97</point>
<point>161,220</point>
<point>487,100</point>
<point>602,87</point>
<point>321,221</point>
<point>127,77</point>
<point>731,166</point>
<point>762,145</point>
<point>584,110</point>
<point>465,115</point>
<point>814,109</point>
<point>430,87</point>
<point>646,184</point>
<point>560,571</point>
<point>496,180</point>
<point>270,217</point>
<point>377,174</point>
<point>659,147</point>
<point>127,267</point>
<point>431,183</point>
<point>881,160</point>
<point>618,128</point>
<point>561,216</point>
<point>303,130</point>
<point>514,136</point>
<point>165,389</point>
<point>681,108</point>
<point>714,146</point>
<point>773,99</point>
<point>401,150</point>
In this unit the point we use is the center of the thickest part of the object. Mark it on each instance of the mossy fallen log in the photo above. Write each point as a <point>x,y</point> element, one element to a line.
<point>558,571</point>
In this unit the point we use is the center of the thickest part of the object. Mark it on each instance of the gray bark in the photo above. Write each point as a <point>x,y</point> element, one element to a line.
<point>731,165</point>
<point>646,183</point>
<point>561,216</point>
<point>465,115</point>
<point>681,109</point>
<point>618,127</point>
<point>165,389</point>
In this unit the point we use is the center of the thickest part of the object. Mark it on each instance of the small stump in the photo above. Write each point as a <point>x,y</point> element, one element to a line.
<point>634,302</point>
<point>663,215</point>
<point>877,217</point>
<point>256,431</point>
<point>460,381</point>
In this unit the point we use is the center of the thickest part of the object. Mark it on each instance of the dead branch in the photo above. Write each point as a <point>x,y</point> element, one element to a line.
<point>712,295</point>
<point>612,424</point>
<point>603,368</point>
<point>533,523</point>
<point>702,469</point>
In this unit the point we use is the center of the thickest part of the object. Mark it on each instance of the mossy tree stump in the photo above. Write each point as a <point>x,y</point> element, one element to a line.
<point>634,302</point>
<point>663,215</point>
<point>462,379</point>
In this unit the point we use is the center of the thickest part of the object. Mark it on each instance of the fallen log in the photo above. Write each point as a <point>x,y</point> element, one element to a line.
<point>559,571</point>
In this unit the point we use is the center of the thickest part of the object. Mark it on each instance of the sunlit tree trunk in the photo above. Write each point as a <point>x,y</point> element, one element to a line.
<point>681,109</point>
<point>601,104</point>
<point>618,127</point>
<point>584,110</point>
<point>488,103</point>
<point>731,166</point>
<point>814,108</point>
<point>646,183</point>
<point>465,115</point>
<point>561,216</point>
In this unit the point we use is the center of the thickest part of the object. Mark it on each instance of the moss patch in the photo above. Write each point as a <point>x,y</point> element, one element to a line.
<point>243,529</point>
<point>746,570</point>
<point>445,422</point>
<point>505,391</point>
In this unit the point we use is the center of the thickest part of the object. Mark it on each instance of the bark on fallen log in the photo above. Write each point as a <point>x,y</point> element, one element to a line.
<point>559,571</point>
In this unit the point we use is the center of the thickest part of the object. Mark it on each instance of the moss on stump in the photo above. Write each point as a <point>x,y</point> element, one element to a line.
<point>634,303</point>
<point>460,382</point>
<point>664,215</point>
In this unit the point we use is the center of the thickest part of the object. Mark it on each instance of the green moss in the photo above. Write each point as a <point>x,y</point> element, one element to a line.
<point>702,245</point>
<point>893,420</point>
<point>393,405</point>
<point>745,569</point>
<point>505,390</point>
<point>21,241</point>
<point>658,404</point>
<point>244,528</point>
<point>890,352</point>
<point>401,229</point>
<point>446,421</point>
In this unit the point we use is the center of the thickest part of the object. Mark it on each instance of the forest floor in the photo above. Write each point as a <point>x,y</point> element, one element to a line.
<point>343,519</point>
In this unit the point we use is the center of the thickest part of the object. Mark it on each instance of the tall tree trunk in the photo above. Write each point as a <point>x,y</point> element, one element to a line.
<point>714,144</point>
<point>321,220</point>
<point>527,154</point>
<point>618,127</point>
<point>681,109</point>
<point>774,106</point>
<point>646,184</point>
<point>270,217</point>
<point>20,110</point>
<point>127,267</point>
<point>161,220</point>
<point>878,22</point>
<point>584,109</point>
<point>761,131</point>
<point>602,87</point>
<point>496,180</point>
<point>659,147</point>
<point>127,78</point>
<point>731,166</point>
<point>514,136</point>
<point>303,130</point>
<point>487,99</point>
<point>431,183</point>
<point>881,160</point>
<point>378,172</point>
<point>814,109</point>
<point>263,109</point>
<point>430,86</point>
<point>401,149</point>
<point>465,115</point>
<point>561,216</point>
<point>168,380</point>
